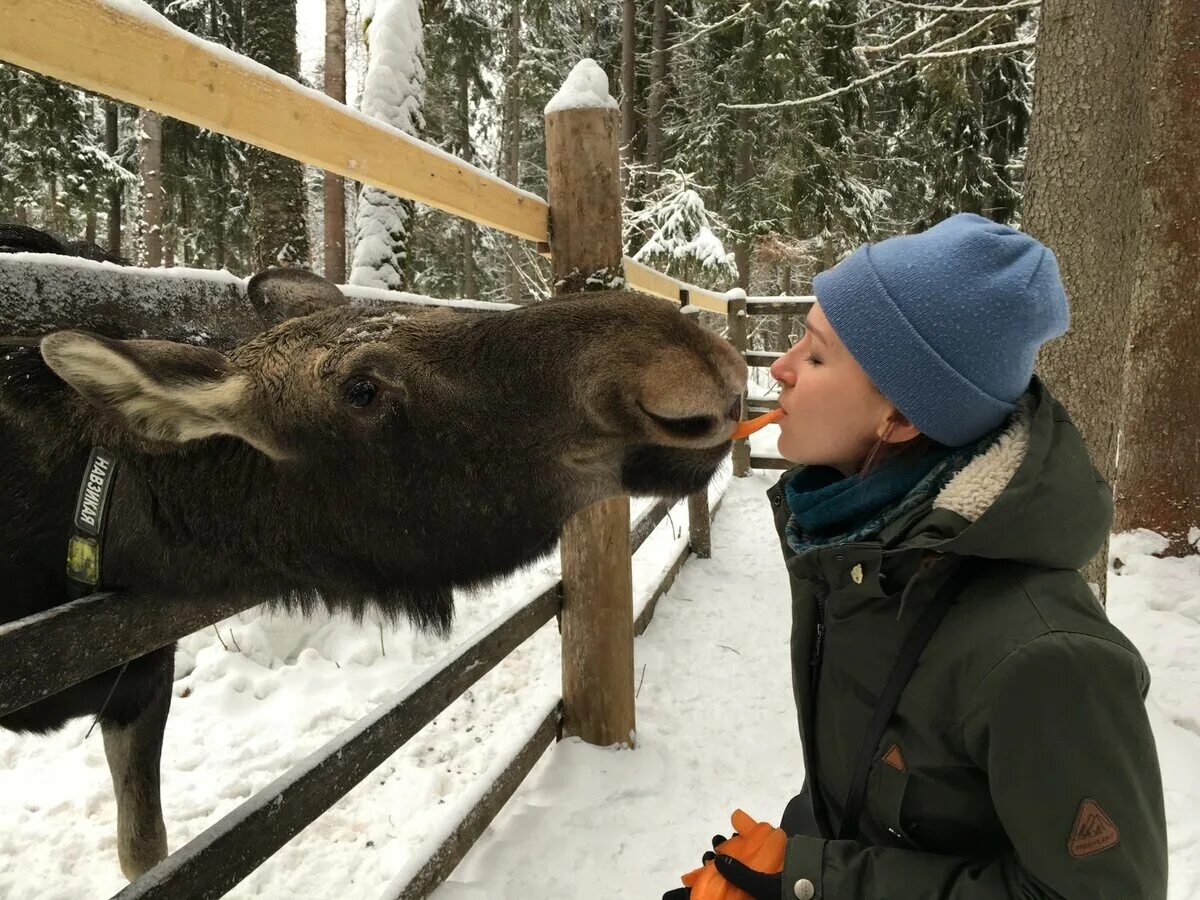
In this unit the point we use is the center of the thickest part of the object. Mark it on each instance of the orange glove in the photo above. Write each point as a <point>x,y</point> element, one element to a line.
<point>756,844</point>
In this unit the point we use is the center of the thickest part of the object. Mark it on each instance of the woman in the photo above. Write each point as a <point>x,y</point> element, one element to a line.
<point>946,502</point>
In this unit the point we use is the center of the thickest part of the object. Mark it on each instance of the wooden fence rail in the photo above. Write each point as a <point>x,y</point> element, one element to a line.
<point>226,852</point>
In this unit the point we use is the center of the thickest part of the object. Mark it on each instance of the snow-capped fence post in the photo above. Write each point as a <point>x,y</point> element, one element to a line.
<point>738,337</point>
<point>584,186</point>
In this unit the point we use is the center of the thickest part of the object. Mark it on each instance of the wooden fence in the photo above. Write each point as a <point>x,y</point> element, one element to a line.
<point>133,55</point>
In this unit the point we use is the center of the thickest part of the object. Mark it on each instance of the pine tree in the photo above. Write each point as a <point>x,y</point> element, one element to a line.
<point>458,46</point>
<point>683,238</point>
<point>54,169</point>
<point>275,184</point>
<point>205,174</point>
<point>393,93</point>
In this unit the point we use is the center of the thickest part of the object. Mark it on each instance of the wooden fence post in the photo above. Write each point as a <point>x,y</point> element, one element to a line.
<point>700,524</point>
<point>738,337</point>
<point>584,186</point>
<point>699,515</point>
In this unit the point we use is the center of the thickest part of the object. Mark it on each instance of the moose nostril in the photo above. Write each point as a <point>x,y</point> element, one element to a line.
<point>735,409</point>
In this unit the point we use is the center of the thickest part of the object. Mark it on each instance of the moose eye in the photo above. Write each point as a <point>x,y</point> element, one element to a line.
<point>360,394</point>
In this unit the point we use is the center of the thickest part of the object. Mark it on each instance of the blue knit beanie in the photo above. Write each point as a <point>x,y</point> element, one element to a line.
<point>947,322</point>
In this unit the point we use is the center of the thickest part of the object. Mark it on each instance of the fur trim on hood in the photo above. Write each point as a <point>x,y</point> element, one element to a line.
<point>983,479</point>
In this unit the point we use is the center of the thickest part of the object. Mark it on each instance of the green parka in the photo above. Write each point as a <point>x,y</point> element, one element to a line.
<point>1019,761</point>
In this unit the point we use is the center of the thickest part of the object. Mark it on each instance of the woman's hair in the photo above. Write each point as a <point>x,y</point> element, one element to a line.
<point>883,452</point>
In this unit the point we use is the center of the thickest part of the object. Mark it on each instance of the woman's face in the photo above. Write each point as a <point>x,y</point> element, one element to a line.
<point>833,413</point>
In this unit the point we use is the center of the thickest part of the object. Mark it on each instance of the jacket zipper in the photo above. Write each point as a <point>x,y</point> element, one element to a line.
<point>815,661</point>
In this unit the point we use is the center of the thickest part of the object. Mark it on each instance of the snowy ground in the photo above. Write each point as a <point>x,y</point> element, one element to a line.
<point>715,730</point>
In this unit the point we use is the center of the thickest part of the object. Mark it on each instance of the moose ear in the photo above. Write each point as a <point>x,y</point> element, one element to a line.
<point>279,294</point>
<point>162,390</point>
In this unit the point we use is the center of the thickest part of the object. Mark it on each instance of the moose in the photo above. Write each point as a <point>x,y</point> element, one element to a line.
<point>342,459</point>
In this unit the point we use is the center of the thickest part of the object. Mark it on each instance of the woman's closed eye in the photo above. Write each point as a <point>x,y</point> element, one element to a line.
<point>812,360</point>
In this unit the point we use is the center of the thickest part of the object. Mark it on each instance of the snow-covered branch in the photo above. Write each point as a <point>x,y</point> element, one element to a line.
<point>819,98</point>
<point>1022,44</point>
<point>875,16</point>
<point>903,39</point>
<point>933,51</point>
<point>728,20</point>
<point>1007,7</point>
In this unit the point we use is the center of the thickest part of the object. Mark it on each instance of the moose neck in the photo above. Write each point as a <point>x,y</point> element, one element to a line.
<point>216,518</point>
<point>192,519</point>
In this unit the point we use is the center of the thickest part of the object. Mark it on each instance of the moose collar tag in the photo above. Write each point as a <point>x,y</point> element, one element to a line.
<point>91,513</point>
<point>93,492</point>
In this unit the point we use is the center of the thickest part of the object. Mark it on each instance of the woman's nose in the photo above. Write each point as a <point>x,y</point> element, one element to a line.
<point>781,368</point>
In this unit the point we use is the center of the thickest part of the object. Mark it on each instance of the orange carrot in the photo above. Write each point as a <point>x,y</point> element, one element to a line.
<point>741,821</point>
<point>756,844</point>
<point>747,428</point>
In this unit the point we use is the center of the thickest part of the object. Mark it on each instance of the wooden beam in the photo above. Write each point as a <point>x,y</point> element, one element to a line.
<point>584,182</point>
<point>761,358</point>
<point>761,405</point>
<point>145,60</point>
<point>646,523</point>
<point>452,850</point>
<point>226,852</point>
<point>779,306</point>
<point>641,277</point>
<point>45,292</point>
<point>108,629</point>
<point>89,636</point>
<point>647,614</point>
<point>770,462</point>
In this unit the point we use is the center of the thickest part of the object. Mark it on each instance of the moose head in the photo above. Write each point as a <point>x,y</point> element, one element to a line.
<point>363,455</point>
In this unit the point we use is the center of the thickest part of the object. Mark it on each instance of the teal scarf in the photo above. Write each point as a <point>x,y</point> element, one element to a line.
<point>828,507</point>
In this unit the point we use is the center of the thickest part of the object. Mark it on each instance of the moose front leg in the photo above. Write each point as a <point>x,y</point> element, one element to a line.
<point>133,747</point>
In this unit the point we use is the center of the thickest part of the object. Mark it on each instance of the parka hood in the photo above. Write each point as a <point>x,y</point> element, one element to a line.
<point>1032,496</point>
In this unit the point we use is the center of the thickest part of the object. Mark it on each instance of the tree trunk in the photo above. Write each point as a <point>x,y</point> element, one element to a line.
<point>89,233</point>
<point>111,143</point>
<point>1158,478</point>
<point>628,75</point>
<point>1082,199</point>
<point>512,139</point>
<point>741,177</point>
<point>150,169</point>
<point>466,153</point>
<point>275,184</point>
<point>657,97</point>
<point>335,185</point>
<point>787,324</point>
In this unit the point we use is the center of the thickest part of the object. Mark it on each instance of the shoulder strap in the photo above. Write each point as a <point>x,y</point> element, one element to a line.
<point>906,663</point>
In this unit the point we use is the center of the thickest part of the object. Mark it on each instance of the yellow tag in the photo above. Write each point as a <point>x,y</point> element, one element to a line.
<point>856,573</point>
<point>83,560</point>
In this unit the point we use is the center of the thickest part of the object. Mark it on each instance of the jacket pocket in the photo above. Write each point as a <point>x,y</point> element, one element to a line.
<point>885,805</point>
